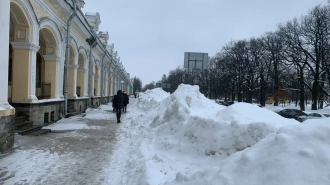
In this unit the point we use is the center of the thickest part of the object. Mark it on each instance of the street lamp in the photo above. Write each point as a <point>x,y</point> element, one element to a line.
<point>122,82</point>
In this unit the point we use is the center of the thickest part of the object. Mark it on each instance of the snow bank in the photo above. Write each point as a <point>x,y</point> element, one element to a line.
<point>203,127</point>
<point>187,125</point>
<point>150,98</point>
<point>295,155</point>
<point>250,123</point>
<point>184,103</point>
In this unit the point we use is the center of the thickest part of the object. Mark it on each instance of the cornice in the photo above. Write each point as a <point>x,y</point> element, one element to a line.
<point>51,58</point>
<point>74,66</point>
<point>82,70</point>
<point>25,46</point>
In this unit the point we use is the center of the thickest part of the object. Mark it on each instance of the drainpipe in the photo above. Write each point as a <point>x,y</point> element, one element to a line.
<point>105,52</point>
<point>67,58</point>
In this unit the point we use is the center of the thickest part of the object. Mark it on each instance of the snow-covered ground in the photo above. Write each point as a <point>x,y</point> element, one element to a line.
<point>184,138</point>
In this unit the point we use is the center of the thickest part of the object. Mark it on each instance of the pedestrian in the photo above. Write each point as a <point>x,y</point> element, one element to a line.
<point>118,102</point>
<point>126,101</point>
<point>136,94</point>
<point>113,104</point>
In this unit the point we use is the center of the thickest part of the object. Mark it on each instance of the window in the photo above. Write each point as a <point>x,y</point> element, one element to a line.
<point>46,117</point>
<point>52,116</point>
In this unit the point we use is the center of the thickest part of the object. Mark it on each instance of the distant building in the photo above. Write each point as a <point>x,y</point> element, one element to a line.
<point>195,60</point>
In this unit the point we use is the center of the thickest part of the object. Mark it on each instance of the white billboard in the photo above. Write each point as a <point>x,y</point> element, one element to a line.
<point>194,60</point>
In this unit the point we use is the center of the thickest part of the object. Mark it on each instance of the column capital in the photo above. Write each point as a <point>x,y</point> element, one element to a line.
<point>82,70</point>
<point>51,58</point>
<point>25,46</point>
<point>75,66</point>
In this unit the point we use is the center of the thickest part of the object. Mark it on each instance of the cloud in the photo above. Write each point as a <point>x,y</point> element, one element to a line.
<point>152,36</point>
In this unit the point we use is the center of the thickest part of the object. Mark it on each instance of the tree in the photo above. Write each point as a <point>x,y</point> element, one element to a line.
<point>137,84</point>
<point>149,86</point>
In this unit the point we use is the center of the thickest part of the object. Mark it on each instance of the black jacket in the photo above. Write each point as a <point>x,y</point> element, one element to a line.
<point>118,101</point>
<point>125,99</point>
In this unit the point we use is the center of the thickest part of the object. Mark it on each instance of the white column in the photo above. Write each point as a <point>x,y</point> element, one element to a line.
<point>73,68</point>
<point>99,85</point>
<point>105,84</point>
<point>114,84</point>
<point>92,85</point>
<point>4,52</point>
<point>33,69</point>
<point>86,83</point>
<point>61,71</point>
<point>59,79</point>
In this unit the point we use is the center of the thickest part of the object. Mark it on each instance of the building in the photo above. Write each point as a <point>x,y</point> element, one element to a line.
<point>44,72</point>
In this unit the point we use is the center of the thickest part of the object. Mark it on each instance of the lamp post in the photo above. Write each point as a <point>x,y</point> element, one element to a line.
<point>122,82</point>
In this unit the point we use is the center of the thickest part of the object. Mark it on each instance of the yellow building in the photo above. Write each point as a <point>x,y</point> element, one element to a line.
<point>55,63</point>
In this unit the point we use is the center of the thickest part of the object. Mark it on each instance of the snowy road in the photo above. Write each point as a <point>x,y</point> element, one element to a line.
<point>68,156</point>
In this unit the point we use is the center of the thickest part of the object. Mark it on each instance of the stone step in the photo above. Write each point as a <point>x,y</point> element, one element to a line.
<point>39,132</point>
<point>20,119</point>
<point>29,129</point>
<point>23,124</point>
<point>71,110</point>
<point>71,114</point>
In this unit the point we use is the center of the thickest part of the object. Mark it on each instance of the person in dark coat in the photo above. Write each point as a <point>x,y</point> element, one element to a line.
<point>126,101</point>
<point>118,104</point>
<point>113,103</point>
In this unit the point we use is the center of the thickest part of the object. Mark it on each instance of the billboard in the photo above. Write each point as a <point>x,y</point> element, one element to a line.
<point>163,85</point>
<point>194,60</point>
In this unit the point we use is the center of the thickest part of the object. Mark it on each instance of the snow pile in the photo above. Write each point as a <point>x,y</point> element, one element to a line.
<point>250,123</point>
<point>148,99</point>
<point>184,103</point>
<point>295,155</point>
<point>188,124</point>
<point>189,98</point>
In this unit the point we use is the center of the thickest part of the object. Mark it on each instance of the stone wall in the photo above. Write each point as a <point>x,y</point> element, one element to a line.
<point>96,101</point>
<point>80,105</point>
<point>41,113</point>
<point>106,100</point>
<point>7,132</point>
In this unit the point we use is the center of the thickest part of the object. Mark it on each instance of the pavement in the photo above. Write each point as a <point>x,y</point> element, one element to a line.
<point>74,156</point>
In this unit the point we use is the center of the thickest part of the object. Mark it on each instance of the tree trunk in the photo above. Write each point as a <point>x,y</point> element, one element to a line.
<point>262,92</point>
<point>276,88</point>
<point>233,94</point>
<point>239,94</point>
<point>302,91</point>
<point>315,91</point>
<point>297,98</point>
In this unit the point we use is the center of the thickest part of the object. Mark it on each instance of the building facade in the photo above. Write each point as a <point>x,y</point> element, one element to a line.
<point>54,59</point>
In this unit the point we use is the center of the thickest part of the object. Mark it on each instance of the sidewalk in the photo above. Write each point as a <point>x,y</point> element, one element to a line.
<point>77,151</point>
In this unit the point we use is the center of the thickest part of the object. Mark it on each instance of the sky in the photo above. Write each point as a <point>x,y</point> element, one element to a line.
<point>181,138</point>
<point>151,36</point>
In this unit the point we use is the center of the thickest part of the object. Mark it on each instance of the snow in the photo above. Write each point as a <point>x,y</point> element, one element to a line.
<point>67,124</point>
<point>296,155</point>
<point>185,138</point>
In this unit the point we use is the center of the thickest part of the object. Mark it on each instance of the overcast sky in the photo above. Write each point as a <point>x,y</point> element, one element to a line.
<point>151,36</point>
